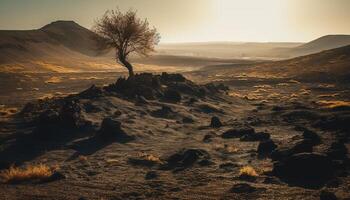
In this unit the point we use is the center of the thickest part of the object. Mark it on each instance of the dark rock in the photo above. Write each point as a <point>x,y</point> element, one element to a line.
<point>266,147</point>
<point>337,150</point>
<point>301,146</point>
<point>91,108</point>
<point>28,108</point>
<point>305,169</point>
<point>164,112</point>
<point>261,136</point>
<point>185,158</point>
<point>165,77</point>
<point>326,195</point>
<point>215,122</point>
<point>117,113</point>
<point>207,138</point>
<point>187,120</point>
<point>70,115</point>
<point>238,132</point>
<point>338,122</point>
<point>172,95</point>
<point>111,130</point>
<point>55,177</point>
<point>312,136</point>
<point>151,175</point>
<point>92,92</point>
<point>47,122</point>
<point>242,188</point>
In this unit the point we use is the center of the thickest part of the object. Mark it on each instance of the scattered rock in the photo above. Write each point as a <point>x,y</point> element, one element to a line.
<point>111,130</point>
<point>91,108</point>
<point>237,132</point>
<point>164,112</point>
<point>266,147</point>
<point>92,92</point>
<point>187,120</point>
<point>185,158</point>
<point>337,151</point>
<point>300,146</point>
<point>207,138</point>
<point>172,95</point>
<point>215,122</point>
<point>70,115</point>
<point>151,175</point>
<point>312,136</point>
<point>305,169</point>
<point>55,177</point>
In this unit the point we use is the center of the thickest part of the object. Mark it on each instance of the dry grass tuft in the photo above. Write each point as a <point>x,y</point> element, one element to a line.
<point>31,172</point>
<point>248,171</point>
<point>150,157</point>
<point>334,104</point>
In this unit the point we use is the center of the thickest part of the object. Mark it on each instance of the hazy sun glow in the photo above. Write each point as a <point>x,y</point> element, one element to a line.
<point>196,20</point>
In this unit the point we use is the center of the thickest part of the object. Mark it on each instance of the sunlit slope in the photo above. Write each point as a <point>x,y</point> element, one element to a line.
<point>331,64</point>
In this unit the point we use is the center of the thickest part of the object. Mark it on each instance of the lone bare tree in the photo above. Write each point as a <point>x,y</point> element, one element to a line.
<point>127,34</point>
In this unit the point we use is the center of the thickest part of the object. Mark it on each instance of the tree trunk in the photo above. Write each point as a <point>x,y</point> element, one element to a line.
<point>128,66</point>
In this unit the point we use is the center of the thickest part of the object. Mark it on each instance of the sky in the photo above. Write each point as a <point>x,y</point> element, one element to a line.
<point>196,20</point>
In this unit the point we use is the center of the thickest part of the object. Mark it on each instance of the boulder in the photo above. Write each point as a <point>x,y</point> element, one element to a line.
<point>237,132</point>
<point>70,115</point>
<point>312,136</point>
<point>91,92</point>
<point>172,95</point>
<point>151,175</point>
<point>305,169</point>
<point>215,122</point>
<point>186,158</point>
<point>111,130</point>
<point>337,151</point>
<point>300,146</point>
<point>266,147</point>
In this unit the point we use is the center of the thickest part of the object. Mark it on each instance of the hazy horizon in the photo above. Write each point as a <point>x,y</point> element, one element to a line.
<point>197,20</point>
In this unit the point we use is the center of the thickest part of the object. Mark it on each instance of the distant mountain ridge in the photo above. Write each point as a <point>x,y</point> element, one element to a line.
<point>68,45</point>
<point>58,39</point>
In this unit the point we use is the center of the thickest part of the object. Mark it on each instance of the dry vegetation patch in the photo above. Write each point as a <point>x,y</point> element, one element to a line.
<point>247,171</point>
<point>31,172</point>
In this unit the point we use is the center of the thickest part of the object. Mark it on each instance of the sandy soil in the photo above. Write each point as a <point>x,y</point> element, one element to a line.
<point>121,170</point>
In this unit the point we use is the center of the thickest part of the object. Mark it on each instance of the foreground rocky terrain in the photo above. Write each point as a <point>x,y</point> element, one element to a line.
<point>166,137</point>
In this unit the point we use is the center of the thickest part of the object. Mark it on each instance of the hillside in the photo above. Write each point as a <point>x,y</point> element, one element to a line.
<point>320,44</point>
<point>58,39</point>
<point>327,65</point>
